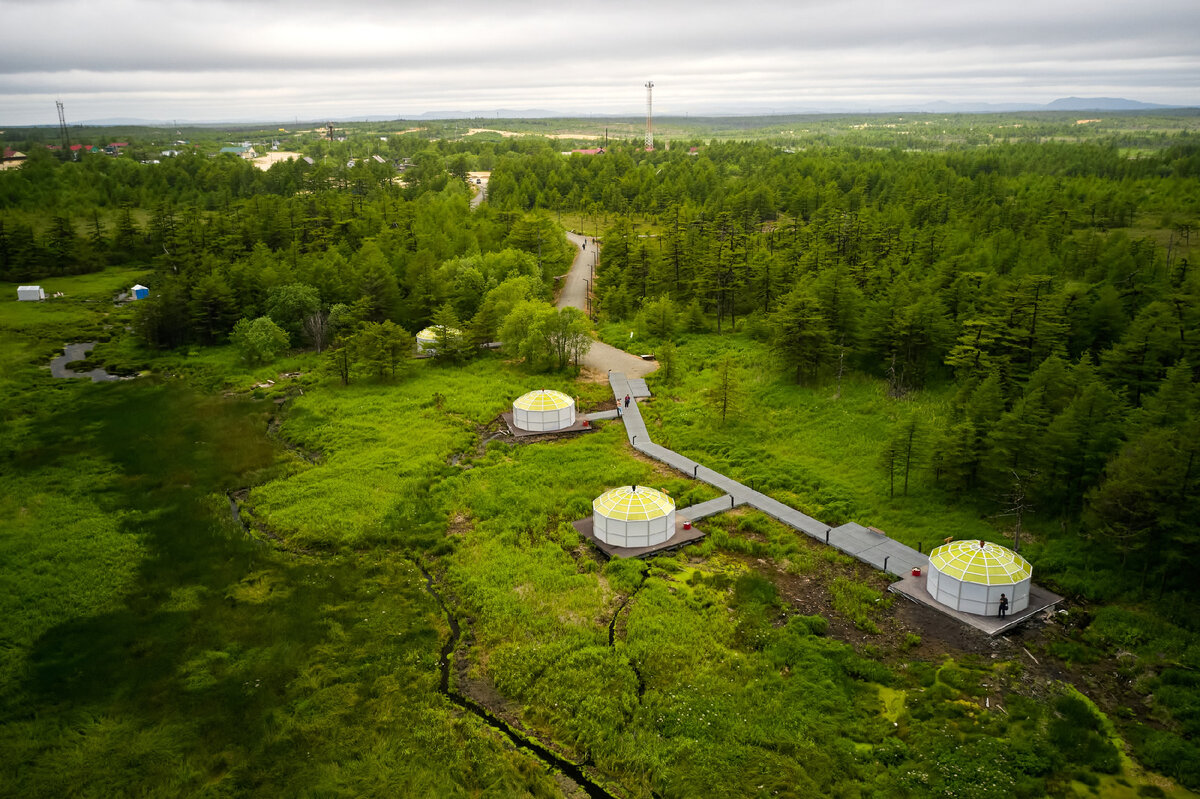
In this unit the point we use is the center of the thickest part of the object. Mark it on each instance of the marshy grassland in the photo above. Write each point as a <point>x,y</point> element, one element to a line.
<point>155,645</point>
<point>282,558</point>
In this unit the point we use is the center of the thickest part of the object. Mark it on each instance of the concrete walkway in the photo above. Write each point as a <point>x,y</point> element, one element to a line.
<point>877,550</point>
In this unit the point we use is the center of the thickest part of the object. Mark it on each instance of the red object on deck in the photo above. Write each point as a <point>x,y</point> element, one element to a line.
<point>916,571</point>
<point>687,525</point>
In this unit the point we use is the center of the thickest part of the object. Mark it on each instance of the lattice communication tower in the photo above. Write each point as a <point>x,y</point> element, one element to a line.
<point>649,115</point>
<point>62,127</point>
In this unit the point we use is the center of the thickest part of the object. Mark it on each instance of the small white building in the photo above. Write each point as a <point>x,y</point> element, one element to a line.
<point>30,293</point>
<point>544,410</point>
<point>633,516</point>
<point>970,576</point>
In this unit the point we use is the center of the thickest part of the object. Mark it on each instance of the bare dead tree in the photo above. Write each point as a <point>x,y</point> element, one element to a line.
<point>316,326</point>
<point>1016,504</point>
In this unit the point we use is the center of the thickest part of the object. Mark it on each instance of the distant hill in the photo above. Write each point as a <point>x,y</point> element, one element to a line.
<point>1072,104</point>
<point>499,113</point>
<point>1101,104</point>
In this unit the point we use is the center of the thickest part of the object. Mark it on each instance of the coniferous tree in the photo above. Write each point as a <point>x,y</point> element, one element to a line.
<point>213,308</point>
<point>801,335</point>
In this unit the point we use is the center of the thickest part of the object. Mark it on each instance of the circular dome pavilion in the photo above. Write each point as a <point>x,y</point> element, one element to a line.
<point>971,575</point>
<point>633,516</point>
<point>427,339</point>
<point>544,410</point>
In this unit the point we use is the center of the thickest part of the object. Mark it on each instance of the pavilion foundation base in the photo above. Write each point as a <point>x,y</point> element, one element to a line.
<point>581,426</point>
<point>1039,600</point>
<point>681,538</point>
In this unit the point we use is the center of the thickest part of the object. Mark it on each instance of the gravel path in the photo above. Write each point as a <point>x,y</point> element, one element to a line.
<point>602,358</point>
<point>479,196</point>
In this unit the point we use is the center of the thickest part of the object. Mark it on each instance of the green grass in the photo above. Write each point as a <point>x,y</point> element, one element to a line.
<point>808,447</point>
<point>157,649</point>
<point>154,648</point>
<point>859,603</point>
<point>87,303</point>
<point>102,285</point>
<point>381,449</point>
<point>65,555</point>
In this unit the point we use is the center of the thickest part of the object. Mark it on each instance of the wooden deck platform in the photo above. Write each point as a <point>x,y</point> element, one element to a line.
<point>578,427</point>
<point>1039,600</point>
<point>681,538</point>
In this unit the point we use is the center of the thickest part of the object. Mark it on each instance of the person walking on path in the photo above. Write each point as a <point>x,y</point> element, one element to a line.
<point>1003,606</point>
<point>626,400</point>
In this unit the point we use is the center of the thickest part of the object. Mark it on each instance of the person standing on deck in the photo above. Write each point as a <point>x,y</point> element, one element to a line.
<point>1003,606</point>
<point>626,400</point>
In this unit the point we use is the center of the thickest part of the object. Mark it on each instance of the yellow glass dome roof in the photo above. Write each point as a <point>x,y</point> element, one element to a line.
<point>430,334</point>
<point>983,562</point>
<point>633,503</point>
<point>543,399</point>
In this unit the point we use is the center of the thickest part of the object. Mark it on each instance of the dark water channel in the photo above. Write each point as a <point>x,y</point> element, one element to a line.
<point>77,352</point>
<point>612,631</point>
<point>521,741</point>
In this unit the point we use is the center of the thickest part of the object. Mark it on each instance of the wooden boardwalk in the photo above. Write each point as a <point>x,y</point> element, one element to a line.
<point>873,548</point>
<point>855,540</point>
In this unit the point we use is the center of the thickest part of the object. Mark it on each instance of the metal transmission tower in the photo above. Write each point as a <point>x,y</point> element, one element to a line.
<point>62,127</point>
<point>649,105</point>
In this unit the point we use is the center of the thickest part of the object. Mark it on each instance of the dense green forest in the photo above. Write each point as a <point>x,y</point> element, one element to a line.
<point>970,336</point>
<point>1052,284</point>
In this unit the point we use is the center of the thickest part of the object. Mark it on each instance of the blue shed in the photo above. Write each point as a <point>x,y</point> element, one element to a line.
<point>140,292</point>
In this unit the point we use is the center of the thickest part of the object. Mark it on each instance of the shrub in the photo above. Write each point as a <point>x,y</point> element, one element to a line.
<point>259,341</point>
<point>1073,652</point>
<point>814,625</point>
<point>1170,754</point>
<point>1079,734</point>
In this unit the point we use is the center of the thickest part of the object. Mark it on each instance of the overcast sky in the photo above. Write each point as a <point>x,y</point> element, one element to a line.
<point>275,60</point>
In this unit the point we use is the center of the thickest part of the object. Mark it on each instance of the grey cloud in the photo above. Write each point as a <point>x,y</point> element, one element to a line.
<point>215,57</point>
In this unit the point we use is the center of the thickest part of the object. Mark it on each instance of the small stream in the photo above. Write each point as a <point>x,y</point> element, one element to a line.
<point>236,511</point>
<point>612,631</point>
<point>612,624</point>
<point>520,740</point>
